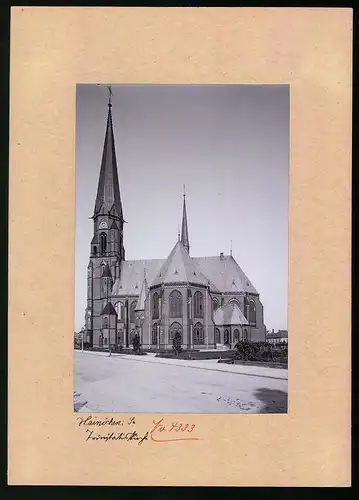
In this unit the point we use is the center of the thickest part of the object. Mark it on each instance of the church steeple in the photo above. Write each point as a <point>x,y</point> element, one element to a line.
<point>184,234</point>
<point>108,199</point>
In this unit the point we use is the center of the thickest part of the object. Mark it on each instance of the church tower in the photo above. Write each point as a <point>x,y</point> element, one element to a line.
<point>106,249</point>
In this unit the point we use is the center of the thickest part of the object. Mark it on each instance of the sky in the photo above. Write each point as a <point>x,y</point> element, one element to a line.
<point>229,145</point>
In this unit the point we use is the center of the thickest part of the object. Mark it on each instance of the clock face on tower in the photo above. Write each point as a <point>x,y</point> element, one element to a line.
<point>103,225</point>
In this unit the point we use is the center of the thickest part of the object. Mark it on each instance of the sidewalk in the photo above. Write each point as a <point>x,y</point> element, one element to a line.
<point>211,364</point>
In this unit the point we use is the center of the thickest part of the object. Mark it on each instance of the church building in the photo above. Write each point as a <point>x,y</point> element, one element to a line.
<point>208,300</point>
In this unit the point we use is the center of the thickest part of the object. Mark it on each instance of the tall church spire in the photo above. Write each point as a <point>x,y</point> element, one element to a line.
<point>108,197</point>
<point>184,234</point>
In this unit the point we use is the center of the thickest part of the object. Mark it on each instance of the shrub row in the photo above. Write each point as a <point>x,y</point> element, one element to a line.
<point>260,351</point>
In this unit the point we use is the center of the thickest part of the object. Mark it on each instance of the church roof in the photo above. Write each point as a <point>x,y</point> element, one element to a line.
<point>230,314</point>
<point>108,192</point>
<point>108,309</point>
<point>225,273</point>
<point>179,267</point>
<point>132,272</point>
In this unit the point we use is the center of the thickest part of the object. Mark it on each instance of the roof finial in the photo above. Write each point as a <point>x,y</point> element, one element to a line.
<point>178,232</point>
<point>110,94</point>
<point>184,189</point>
<point>231,249</point>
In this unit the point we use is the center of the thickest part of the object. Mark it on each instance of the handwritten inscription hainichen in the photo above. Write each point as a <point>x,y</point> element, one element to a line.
<point>111,429</point>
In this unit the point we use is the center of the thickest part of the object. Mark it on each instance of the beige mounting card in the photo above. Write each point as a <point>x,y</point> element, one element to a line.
<point>53,49</point>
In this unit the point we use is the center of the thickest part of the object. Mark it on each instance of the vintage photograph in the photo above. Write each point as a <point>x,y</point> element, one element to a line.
<point>181,248</point>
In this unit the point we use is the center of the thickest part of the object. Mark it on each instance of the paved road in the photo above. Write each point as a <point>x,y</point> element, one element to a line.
<point>129,384</point>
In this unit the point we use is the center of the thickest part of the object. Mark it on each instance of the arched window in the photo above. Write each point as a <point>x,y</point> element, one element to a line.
<point>175,304</point>
<point>226,336</point>
<point>132,311</point>
<point>155,306</point>
<point>245,334</point>
<point>95,250</point>
<point>105,322</point>
<point>245,307</point>
<point>103,243</point>
<point>198,334</point>
<point>234,302</point>
<point>100,340</point>
<point>252,312</point>
<point>236,336</point>
<point>215,304</point>
<point>217,336</point>
<point>120,309</point>
<point>174,328</point>
<point>198,305</point>
<point>105,340</point>
<point>154,334</point>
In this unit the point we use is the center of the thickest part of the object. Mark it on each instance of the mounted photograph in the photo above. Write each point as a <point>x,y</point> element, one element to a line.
<point>181,248</point>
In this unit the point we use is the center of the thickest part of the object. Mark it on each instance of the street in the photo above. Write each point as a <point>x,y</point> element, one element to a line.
<point>144,384</point>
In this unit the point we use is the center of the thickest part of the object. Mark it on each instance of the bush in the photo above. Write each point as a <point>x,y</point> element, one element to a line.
<point>260,351</point>
<point>177,343</point>
<point>136,344</point>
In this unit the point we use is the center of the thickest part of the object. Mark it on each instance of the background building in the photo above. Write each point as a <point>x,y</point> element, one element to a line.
<point>281,336</point>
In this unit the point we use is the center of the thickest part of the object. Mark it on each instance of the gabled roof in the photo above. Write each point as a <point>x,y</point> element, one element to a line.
<point>281,334</point>
<point>225,273</point>
<point>108,192</point>
<point>179,267</point>
<point>106,273</point>
<point>114,225</point>
<point>131,276</point>
<point>109,309</point>
<point>230,314</point>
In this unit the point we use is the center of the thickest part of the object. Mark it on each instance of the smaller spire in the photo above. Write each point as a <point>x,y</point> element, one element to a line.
<point>184,233</point>
<point>178,232</point>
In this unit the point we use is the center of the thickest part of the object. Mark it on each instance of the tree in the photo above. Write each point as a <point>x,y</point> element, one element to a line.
<point>136,343</point>
<point>177,343</point>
